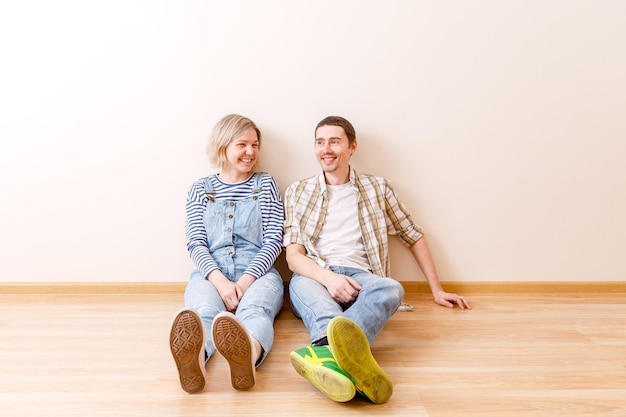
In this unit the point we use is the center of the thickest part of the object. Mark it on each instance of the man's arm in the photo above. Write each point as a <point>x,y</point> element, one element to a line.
<point>342,288</point>
<point>421,253</point>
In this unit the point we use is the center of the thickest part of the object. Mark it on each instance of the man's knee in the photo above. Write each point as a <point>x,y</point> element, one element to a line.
<point>393,290</point>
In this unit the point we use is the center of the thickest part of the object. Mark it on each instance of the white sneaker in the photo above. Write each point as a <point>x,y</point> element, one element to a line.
<point>232,340</point>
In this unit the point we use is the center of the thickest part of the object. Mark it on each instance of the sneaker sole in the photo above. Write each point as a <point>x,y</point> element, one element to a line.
<point>187,346</point>
<point>352,352</point>
<point>233,343</point>
<point>330,383</point>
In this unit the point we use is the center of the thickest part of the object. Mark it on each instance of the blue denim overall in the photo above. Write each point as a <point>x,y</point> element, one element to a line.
<point>235,235</point>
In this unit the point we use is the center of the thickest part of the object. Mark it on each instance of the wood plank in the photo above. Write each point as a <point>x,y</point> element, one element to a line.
<point>512,355</point>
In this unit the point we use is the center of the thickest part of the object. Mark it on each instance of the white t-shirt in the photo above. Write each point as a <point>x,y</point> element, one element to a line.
<point>340,241</point>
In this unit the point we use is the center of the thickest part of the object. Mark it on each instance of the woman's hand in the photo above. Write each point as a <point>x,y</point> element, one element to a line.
<point>242,285</point>
<point>226,289</point>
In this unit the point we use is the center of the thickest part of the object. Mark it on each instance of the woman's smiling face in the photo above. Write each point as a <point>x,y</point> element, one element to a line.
<point>241,155</point>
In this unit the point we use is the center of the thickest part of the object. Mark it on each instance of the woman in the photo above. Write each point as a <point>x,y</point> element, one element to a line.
<point>234,229</point>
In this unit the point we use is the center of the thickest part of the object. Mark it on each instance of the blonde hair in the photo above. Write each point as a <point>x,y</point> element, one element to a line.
<point>229,128</point>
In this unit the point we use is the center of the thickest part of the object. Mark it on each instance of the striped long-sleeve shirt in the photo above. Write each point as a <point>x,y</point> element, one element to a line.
<point>271,212</point>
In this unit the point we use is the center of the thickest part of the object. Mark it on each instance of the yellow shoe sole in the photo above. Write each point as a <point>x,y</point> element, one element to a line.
<point>352,353</point>
<point>331,383</point>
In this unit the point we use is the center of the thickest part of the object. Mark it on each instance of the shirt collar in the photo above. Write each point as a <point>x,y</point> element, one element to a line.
<point>322,180</point>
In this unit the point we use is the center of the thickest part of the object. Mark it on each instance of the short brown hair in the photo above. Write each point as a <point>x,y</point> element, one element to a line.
<point>342,123</point>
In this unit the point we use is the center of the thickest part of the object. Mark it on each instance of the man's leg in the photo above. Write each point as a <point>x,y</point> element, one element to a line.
<point>312,302</point>
<point>352,352</point>
<point>378,300</point>
<point>314,305</point>
<point>350,335</point>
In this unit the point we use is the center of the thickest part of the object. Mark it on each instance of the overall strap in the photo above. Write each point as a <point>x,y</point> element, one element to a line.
<point>258,187</point>
<point>208,188</point>
<point>259,179</point>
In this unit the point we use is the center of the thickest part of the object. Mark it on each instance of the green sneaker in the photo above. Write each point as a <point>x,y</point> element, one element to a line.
<point>352,353</point>
<point>318,366</point>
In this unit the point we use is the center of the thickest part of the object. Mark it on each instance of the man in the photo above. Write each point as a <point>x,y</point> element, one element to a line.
<point>336,227</point>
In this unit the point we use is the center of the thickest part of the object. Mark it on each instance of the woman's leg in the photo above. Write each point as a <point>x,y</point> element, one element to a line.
<point>259,306</point>
<point>202,296</point>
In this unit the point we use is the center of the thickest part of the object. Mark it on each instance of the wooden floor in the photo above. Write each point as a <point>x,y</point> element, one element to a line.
<point>512,355</point>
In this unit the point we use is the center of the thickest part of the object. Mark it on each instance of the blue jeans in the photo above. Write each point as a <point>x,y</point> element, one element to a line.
<point>377,301</point>
<point>257,308</point>
<point>235,235</point>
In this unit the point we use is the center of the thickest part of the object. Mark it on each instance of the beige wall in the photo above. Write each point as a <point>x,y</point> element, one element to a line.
<point>501,124</point>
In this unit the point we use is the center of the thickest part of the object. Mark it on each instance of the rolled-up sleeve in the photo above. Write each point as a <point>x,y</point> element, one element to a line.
<point>400,222</point>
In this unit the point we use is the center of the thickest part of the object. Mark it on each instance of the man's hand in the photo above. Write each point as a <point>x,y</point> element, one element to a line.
<point>342,288</point>
<point>449,300</point>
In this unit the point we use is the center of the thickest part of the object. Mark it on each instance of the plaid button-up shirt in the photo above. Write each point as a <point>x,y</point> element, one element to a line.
<point>380,214</point>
